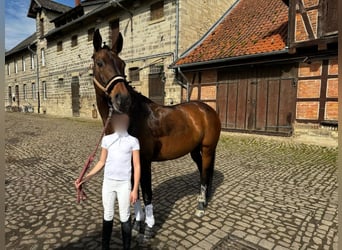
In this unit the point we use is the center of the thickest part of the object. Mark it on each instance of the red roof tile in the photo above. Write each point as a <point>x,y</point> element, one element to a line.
<point>251,27</point>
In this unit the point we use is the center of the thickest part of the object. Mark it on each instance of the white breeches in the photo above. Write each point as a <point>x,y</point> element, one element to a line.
<point>112,190</point>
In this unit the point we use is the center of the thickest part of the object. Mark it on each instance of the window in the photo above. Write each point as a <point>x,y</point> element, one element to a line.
<point>10,95</point>
<point>134,74</point>
<point>41,27</point>
<point>25,91</point>
<point>59,46</point>
<point>34,93</point>
<point>8,69</point>
<point>74,41</point>
<point>329,17</point>
<point>32,61</point>
<point>60,82</point>
<point>15,66</point>
<point>23,63</point>
<point>43,56</point>
<point>44,90</point>
<point>91,34</point>
<point>157,10</point>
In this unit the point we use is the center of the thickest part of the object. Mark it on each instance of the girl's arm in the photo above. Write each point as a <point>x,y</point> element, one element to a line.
<point>99,165</point>
<point>136,165</point>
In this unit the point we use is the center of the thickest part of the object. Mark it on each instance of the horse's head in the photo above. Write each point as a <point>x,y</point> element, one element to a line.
<point>109,73</point>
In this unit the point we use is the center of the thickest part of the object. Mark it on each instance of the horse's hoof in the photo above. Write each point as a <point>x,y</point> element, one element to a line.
<point>199,212</point>
<point>148,234</point>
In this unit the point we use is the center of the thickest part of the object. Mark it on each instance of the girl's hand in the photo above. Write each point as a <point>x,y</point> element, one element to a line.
<point>78,183</point>
<point>134,196</point>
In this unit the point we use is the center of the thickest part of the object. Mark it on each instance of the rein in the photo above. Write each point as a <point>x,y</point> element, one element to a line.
<point>80,192</point>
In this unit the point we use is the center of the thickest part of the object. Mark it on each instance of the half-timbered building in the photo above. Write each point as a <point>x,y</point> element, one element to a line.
<point>267,66</point>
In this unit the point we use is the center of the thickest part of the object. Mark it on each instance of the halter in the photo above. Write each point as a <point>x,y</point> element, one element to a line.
<point>110,84</point>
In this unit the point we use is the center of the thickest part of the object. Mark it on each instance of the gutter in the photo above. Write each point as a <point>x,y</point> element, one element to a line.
<point>177,30</point>
<point>230,59</point>
<point>150,57</point>
<point>289,58</point>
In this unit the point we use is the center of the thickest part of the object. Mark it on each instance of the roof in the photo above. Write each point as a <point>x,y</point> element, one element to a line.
<point>46,4</point>
<point>248,28</point>
<point>101,10</point>
<point>23,45</point>
<point>79,9</point>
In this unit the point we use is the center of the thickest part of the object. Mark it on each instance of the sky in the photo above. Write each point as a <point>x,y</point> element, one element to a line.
<point>17,25</point>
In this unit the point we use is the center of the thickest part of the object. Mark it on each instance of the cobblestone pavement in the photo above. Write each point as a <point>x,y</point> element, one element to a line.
<point>268,193</point>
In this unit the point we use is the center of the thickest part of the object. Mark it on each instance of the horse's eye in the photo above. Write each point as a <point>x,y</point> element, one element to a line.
<point>99,63</point>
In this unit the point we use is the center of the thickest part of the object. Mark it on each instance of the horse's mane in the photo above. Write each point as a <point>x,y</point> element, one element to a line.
<point>137,96</point>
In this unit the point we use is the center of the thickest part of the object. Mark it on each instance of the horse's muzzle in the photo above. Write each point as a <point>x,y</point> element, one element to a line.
<point>121,103</point>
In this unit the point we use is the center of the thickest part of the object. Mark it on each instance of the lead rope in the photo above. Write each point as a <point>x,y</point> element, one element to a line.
<point>80,192</point>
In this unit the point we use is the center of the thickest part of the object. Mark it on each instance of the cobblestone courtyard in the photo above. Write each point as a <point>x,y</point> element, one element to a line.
<point>269,193</point>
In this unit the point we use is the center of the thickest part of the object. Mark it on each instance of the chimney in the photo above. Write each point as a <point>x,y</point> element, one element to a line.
<point>77,2</point>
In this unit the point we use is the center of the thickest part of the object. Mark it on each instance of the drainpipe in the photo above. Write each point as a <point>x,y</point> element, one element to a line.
<point>187,85</point>
<point>35,53</point>
<point>177,30</point>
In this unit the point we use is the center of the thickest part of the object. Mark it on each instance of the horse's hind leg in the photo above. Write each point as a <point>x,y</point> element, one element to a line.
<point>197,157</point>
<point>208,159</point>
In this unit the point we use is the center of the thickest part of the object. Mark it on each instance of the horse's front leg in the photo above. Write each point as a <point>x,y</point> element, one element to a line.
<point>146,189</point>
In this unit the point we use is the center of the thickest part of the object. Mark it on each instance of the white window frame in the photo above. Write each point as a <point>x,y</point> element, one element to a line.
<point>32,61</point>
<point>23,63</point>
<point>42,51</point>
<point>34,91</point>
<point>15,66</point>
<point>44,90</point>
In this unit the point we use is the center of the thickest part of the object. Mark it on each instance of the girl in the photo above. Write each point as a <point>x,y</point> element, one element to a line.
<point>116,157</point>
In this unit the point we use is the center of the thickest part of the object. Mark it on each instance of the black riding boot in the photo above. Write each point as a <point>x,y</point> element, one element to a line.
<point>107,227</point>
<point>126,231</point>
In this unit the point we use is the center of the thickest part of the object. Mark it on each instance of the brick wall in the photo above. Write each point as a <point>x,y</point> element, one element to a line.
<point>317,91</point>
<point>332,91</point>
<point>301,33</point>
<point>203,88</point>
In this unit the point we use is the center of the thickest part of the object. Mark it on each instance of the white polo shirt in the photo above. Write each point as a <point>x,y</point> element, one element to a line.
<point>120,147</point>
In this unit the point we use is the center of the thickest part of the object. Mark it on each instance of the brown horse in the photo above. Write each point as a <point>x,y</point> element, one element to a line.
<point>164,132</point>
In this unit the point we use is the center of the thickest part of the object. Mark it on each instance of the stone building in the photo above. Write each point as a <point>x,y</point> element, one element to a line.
<point>267,66</point>
<point>155,32</point>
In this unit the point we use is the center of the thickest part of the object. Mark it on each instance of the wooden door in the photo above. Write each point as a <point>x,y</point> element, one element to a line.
<point>75,96</point>
<point>17,95</point>
<point>222,93</point>
<point>251,105</point>
<point>261,105</point>
<point>156,81</point>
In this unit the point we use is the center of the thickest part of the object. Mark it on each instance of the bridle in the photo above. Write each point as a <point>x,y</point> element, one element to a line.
<point>111,83</point>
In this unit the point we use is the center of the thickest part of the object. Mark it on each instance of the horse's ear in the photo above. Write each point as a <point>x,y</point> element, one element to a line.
<point>117,43</point>
<point>97,40</point>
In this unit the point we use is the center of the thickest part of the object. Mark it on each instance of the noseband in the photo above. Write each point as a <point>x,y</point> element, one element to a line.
<point>110,85</point>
